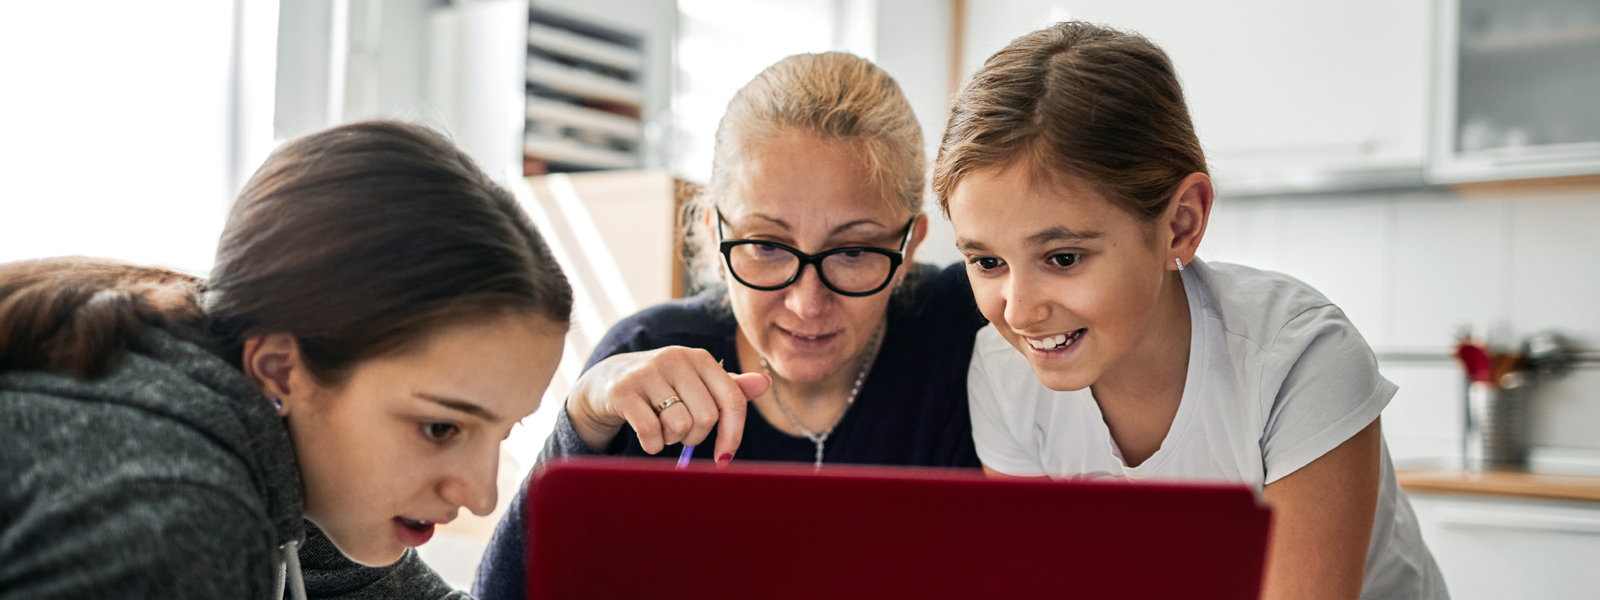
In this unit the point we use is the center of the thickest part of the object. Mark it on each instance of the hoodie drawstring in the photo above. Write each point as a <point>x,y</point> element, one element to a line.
<point>295,580</point>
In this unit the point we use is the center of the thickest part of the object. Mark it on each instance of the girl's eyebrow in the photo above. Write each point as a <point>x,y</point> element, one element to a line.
<point>1054,235</point>
<point>462,406</point>
<point>1060,234</point>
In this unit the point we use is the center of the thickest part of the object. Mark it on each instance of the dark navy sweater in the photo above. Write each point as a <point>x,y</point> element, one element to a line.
<point>911,411</point>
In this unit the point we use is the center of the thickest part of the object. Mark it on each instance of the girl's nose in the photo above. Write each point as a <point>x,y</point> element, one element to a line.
<point>474,488</point>
<point>1026,306</point>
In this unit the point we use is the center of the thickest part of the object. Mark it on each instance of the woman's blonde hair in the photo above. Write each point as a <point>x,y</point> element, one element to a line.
<point>1079,100</point>
<point>834,96</point>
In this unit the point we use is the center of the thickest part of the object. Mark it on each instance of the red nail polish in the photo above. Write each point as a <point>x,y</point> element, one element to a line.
<point>722,461</point>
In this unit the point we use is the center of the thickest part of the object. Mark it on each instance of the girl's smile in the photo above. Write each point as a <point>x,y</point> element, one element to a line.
<point>1052,346</point>
<point>1077,284</point>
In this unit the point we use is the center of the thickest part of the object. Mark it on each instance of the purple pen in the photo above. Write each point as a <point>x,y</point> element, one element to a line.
<point>688,449</point>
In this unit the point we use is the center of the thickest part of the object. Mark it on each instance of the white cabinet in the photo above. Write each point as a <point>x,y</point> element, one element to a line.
<point>1517,88</point>
<point>1312,95</point>
<point>1492,548</point>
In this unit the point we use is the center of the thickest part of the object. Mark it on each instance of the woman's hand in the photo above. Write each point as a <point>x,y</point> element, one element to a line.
<point>629,388</point>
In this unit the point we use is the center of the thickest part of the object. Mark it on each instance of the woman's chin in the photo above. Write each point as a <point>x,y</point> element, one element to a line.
<point>802,369</point>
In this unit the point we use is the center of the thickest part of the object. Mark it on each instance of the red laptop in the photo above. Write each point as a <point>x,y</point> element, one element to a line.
<point>608,528</point>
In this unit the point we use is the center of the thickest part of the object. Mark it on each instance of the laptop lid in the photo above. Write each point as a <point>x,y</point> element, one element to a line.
<point>610,528</point>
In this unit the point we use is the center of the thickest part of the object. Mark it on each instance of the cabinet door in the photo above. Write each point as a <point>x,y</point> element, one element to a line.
<point>1307,95</point>
<point>1517,88</point>
<point>1495,549</point>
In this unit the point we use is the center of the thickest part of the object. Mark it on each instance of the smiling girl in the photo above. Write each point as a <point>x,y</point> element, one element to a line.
<point>1079,195</point>
<point>380,315</point>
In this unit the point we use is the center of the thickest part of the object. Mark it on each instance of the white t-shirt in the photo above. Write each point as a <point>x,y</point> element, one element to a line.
<point>1277,377</point>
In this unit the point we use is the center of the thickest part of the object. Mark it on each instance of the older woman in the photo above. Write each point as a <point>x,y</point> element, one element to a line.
<point>824,343</point>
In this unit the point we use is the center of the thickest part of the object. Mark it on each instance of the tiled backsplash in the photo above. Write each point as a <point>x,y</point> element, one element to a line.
<point>1411,269</point>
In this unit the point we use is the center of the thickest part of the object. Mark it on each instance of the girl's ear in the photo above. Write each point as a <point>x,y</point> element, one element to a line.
<point>1187,216</point>
<point>274,363</point>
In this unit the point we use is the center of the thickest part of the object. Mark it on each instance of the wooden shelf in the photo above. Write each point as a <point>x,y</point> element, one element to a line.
<point>575,153</point>
<point>579,82</point>
<point>572,45</point>
<point>555,111</point>
<point>1527,486</point>
<point>1577,184</point>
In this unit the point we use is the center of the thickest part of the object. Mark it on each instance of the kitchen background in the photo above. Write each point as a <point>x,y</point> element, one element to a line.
<point>1432,166</point>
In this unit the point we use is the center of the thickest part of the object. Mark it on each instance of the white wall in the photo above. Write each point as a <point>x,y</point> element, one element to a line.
<point>476,78</point>
<point>913,46</point>
<point>115,120</point>
<point>1412,269</point>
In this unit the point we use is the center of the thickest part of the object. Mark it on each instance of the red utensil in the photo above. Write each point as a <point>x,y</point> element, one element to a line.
<point>1475,359</point>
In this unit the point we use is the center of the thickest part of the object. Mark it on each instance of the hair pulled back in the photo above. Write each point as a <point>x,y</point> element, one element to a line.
<point>357,240</point>
<point>1079,100</point>
<point>76,314</point>
<point>835,96</point>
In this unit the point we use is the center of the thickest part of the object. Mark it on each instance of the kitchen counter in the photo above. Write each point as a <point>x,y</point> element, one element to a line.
<point>1528,486</point>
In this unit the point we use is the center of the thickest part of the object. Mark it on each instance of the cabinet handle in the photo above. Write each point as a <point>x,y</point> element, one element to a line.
<point>1466,518</point>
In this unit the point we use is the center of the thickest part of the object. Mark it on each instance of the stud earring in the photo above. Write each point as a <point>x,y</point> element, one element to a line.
<point>277,403</point>
<point>1180,263</point>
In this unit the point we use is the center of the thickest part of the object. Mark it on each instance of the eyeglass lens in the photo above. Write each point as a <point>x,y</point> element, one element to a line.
<point>766,265</point>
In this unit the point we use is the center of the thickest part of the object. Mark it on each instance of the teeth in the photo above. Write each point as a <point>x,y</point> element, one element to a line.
<point>415,523</point>
<point>1051,343</point>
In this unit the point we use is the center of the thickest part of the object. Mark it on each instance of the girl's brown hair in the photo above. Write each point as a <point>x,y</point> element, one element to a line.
<point>357,240</point>
<point>76,314</point>
<point>1078,100</point>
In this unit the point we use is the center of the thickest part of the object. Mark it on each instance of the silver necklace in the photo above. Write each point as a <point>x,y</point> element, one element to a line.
<point>868,357</point>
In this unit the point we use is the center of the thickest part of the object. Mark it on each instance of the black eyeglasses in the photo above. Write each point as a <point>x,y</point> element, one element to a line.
<point>849,271</point>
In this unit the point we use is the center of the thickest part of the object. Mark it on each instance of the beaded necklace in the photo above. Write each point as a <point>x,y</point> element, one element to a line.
<point>867,359</point>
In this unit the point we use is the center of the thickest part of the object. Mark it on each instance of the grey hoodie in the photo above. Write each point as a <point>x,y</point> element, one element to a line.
<point>171,478</point>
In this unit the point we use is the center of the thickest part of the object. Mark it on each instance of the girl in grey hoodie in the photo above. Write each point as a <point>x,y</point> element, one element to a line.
<point>379,315</point>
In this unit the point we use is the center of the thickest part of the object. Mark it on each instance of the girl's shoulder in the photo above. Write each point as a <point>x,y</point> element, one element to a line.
<point>171,444</point>
<point>172,413</point>
<point>1260,306</point>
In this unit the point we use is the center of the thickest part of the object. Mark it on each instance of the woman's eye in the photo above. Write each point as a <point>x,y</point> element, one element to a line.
<point>1065,260</point>
<point>439,432</point>
<point>986,263</point>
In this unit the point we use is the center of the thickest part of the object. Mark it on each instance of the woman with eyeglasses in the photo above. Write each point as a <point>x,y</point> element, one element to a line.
<point>821,342</point>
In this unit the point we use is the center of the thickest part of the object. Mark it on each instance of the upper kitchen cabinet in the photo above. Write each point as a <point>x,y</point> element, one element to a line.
<point>1312,95</point>
<point>1518,90</point>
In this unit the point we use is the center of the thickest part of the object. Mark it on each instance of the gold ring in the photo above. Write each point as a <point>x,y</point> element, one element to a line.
<point>665,404</point>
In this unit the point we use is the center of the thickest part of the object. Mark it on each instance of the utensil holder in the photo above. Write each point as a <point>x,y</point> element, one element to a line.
<point>1497,425</point>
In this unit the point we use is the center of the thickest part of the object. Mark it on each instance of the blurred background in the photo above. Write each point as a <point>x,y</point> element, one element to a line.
<point>1432,166</point>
